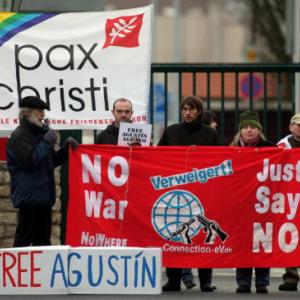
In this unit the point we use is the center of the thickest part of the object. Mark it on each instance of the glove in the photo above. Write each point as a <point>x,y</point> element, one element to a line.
<point>71,141</point>
<point>50,137</point>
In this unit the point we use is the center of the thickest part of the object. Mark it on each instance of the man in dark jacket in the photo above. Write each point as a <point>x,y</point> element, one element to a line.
<point>31,160</point>
<point>190,132</point>
<point>122,112</point>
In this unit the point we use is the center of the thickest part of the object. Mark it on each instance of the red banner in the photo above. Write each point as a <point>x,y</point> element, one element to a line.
<point>3,142</point>
<point>204,206</point>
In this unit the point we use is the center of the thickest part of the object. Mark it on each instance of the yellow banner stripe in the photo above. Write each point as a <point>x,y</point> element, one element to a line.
<point>5,15</point>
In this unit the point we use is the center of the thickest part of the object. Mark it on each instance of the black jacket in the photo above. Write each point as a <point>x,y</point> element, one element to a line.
<point>108,136</point>
<point>186,134</point>
<point>31,162</point>
<point>262,143</point>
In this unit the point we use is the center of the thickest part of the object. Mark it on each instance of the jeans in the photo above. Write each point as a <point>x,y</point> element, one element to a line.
<point>244,276</point>
<point>187,275</point>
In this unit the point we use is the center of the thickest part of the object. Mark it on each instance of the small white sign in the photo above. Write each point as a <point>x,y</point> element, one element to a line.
<point>133,134</point>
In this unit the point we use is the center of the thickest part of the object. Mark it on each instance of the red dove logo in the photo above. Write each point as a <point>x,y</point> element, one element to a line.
<point>123,31</point>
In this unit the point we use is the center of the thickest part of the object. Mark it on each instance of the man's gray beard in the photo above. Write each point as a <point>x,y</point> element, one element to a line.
<point>34,120</point>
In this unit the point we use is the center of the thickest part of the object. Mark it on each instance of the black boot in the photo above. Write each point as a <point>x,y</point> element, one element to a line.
<point>208,287</point>
<point>170,287</point>
<point>243,289</point>
<point>286,286</point>
<point>205,278</point>
<point>174,280</point>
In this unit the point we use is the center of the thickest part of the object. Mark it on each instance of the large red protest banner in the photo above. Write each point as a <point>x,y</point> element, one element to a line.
<point>204,206</point>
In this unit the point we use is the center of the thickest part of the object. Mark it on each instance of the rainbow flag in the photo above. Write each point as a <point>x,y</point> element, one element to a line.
<point>13,23</point>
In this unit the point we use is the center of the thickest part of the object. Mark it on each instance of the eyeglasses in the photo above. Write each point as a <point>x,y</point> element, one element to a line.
<point>188,109</point>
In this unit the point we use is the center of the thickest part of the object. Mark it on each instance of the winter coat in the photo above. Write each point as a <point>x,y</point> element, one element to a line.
<point>186,134</point>
<point>288,142</point>
<point>262,143</point>
<point>31,162</point>
<point>108,136</point>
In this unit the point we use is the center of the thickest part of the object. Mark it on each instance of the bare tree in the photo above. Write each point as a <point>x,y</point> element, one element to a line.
<point>268,29</point>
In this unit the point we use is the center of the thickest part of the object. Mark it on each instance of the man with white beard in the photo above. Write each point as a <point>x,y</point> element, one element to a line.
<point>31,159</point>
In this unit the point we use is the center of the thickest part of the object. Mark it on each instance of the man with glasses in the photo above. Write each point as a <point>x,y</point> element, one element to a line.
<point>122,112</point>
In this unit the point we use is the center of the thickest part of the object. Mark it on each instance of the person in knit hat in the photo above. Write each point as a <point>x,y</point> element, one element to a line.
<point>250,131</point>
<point>249,118</point>
<point>250,135</point>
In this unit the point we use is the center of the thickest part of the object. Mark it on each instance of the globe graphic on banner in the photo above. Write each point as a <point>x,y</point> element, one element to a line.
<point>174,208</point>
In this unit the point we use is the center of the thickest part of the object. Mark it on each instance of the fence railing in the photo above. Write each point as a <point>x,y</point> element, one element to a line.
<point>227,89</point>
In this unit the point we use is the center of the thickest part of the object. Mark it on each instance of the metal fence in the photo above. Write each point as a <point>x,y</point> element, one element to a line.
<point>226,89</point>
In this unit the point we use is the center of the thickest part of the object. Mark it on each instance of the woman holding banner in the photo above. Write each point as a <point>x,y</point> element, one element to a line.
<point>250,135</point>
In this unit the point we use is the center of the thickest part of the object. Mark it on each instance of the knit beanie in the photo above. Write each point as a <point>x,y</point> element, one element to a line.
<point>249,118</point>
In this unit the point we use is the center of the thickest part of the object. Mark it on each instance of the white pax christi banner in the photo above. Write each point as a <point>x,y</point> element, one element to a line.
<point>78,63</point>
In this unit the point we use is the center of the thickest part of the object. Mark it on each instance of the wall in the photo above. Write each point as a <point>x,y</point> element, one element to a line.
<point>8,215</point>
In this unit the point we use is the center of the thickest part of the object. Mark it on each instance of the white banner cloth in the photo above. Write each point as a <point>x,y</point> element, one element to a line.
<point>79,63</point>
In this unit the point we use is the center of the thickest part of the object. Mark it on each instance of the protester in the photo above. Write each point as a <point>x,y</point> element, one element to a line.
<point>292,140</point>
<point>122,112</point>
<point>31,160</point>
<point>190,132</point>
<point>291,276</point>
<point>250,135</point>
<point>210,119</point>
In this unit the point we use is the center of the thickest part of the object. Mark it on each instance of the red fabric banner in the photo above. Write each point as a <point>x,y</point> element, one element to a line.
<point>3,142</point>
<point>204,206</point>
